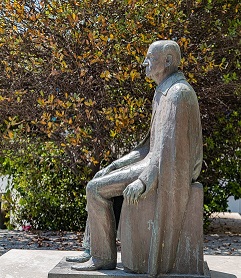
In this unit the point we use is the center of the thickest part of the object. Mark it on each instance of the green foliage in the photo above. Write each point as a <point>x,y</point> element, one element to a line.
<point>222,155</point>
<point>70,76</point>
<point>46,194</point>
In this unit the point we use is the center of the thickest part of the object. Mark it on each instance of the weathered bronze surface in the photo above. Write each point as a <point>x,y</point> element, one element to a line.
<point>161,222</point>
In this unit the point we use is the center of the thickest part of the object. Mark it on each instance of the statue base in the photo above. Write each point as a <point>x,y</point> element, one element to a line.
<point>63,270</point>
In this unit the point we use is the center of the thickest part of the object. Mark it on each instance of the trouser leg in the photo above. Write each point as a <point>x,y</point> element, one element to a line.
<point>86,239</point>
<point>100,192</point>
<point>117,204</point>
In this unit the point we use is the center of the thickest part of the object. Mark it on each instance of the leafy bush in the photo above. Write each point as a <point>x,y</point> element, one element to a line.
<point>45,192</point>
<point>222,170</point>
<point>71,76</point>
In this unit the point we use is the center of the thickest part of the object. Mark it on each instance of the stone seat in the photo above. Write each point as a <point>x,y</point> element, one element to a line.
<point>136,254</point>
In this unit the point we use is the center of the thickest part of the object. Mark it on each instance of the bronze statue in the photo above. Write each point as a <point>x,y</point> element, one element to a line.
<point>157,180</point>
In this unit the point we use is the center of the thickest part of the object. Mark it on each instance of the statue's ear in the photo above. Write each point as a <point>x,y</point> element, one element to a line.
<point>168,60</point>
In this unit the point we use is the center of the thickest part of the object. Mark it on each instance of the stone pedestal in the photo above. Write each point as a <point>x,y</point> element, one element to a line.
<point>63,270</point>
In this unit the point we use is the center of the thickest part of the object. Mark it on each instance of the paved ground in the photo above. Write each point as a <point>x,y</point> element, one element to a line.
<point>224,238</point>
<point>37,240</point>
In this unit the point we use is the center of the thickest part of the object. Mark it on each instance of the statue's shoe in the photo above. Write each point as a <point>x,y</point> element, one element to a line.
<point>95,264</point>
<point>84,257</point>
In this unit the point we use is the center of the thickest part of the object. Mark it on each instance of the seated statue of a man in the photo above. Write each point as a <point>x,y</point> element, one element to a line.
<point>172,148</point>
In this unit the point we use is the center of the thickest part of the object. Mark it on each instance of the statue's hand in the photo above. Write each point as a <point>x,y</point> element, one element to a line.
<point>105,170</point>
<point>133,191</point>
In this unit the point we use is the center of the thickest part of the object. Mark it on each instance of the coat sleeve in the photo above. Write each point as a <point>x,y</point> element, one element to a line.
<point>135,155</point>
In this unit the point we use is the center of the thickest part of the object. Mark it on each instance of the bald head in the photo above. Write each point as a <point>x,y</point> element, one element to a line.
<point>163,58</point>
<point>168,47</point>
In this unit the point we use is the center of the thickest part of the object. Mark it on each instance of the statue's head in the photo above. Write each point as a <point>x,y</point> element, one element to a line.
<point>162,59</point>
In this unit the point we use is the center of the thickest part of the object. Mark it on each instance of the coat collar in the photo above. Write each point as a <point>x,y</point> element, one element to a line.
<point>167,83</point>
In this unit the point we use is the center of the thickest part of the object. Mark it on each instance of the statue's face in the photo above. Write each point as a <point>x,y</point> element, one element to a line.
<point>154,61</point>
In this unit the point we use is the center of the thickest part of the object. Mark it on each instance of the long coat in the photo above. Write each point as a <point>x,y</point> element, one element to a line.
<point>157,236</point>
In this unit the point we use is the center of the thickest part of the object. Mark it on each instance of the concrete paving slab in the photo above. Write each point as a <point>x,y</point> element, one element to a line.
<point>18,263</point>
<point>224,266</point>
<point>38,263</point>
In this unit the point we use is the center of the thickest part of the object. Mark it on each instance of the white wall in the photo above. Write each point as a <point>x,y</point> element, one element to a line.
<point>234,205</point>
<point>4,182</point>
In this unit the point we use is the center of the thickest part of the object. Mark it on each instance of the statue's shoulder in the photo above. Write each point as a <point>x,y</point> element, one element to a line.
<point>181,91</point>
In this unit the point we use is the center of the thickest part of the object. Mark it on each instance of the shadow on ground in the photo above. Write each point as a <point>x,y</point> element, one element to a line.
<point>217,274</point>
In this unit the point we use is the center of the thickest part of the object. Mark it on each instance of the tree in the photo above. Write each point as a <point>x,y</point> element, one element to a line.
<point>70,75</point>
